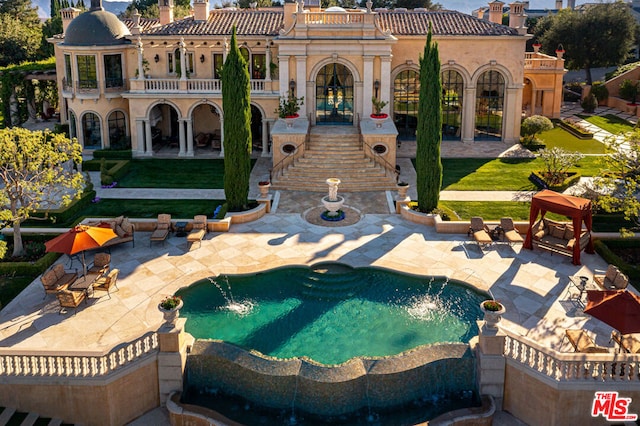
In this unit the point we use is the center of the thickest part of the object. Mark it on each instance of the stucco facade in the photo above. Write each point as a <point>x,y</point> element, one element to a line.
<point>130,92</point>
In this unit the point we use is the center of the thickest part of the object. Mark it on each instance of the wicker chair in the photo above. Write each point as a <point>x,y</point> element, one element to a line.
<point>509,231</point>
<point>105,283</point>
<point>70,299</point>
<point>199,230</point>
<point>480,232</point>
<point>100,265</point>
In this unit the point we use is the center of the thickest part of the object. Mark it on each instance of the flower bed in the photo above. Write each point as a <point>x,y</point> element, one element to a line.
<point>575,129</point>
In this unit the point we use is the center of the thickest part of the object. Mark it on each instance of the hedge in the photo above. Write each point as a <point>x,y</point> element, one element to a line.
<point>29,268</point>
<point>66,215</point>
<point>603,249</point>
<point>112,154</point>
<point>94,165</point>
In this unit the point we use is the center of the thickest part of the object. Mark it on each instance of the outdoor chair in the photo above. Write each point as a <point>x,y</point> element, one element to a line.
<point>70,299</point>
<point>56,279</point>
<point>198,230</point>
<point>509,231</point>
<point>480,232</point>
<point>105,283</point>
<point>162,229</point>
<point>626,342</point>
<point>612,279</point>
<point>100,265</point>
<point>582,342</point>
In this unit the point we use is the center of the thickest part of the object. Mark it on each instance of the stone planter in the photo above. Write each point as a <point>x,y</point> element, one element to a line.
<point>171,315</point>
<point>492,318</point>
<point>402,190</point>
<point>291,119</point>
<point>264,189</point>
<point>379,119</point>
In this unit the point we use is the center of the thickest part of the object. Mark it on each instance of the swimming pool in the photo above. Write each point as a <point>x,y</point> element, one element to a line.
<point>330,312</point>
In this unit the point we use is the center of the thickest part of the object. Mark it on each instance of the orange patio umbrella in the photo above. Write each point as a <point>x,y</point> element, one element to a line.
<point>78,239</point>
<point>618,308</point>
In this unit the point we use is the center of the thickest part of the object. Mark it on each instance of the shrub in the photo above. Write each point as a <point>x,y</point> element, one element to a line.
<point>3,249</point>
<point>533,125</point>
<point>589,103</point>
<point>629,90</point>
<point>556,162</point>
<point>600,91</point>
<point>113,154</point>
<point>621,70</point>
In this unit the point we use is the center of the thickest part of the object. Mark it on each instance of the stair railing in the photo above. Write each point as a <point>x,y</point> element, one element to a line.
<point>389,169</point>
<point>278,169</point>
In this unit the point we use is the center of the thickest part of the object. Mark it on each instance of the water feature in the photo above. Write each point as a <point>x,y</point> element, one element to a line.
<point>333,202</point>
<point>336,340</point>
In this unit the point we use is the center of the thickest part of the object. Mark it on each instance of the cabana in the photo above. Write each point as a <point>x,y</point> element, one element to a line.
<point>578,208</point>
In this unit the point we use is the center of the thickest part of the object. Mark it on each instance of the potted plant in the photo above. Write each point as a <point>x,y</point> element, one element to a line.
<point>629,92</point>
<point>288,109</point>
<point>378,116</point>
<point>170,307</point>
<point>264,186</point>
<point>493,311</point>
<point>402,187</point>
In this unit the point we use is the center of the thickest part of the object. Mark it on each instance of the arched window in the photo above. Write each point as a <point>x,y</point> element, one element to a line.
<point>489,106</point>
<point>452,92</point>
<point>118,131</point>
<point>406,92</point>
<point>91,131</point>
<point>73,132</point>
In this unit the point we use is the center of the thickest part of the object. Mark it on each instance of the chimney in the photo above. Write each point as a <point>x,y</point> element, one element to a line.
<point>479,13</point>
<point>96,5</point>
<point>571,4</point>
<point>200,10</point>
<point>68,15</point>
<point>495,12</point>
<point>558,4</point>
<point>517,17</point>
<point>166,11</point>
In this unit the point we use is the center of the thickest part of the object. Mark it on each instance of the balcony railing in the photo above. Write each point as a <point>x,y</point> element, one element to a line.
<point>325,18</point>
<point>87,85</point>
<point>193,85</point>
<point>541,61</point>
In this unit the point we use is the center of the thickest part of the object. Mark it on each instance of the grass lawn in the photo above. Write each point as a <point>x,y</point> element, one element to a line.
<point>611,123</point>
<point>501,174</point>
<point>151,208</point>
<point>161,173</point>
<point>558,137</point>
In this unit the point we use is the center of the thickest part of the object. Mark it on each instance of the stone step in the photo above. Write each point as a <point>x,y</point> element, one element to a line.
<point>328,159</point>
<point>322,187</point>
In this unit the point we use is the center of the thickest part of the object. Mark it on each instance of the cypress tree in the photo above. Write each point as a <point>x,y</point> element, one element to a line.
<point>237,127</point>
<point>429,130</point>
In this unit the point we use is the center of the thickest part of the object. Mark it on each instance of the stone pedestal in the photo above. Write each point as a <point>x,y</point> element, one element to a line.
<point>172,357</point>
<point>266,201</point>
<point>491,363</point>
<point>401,202</point>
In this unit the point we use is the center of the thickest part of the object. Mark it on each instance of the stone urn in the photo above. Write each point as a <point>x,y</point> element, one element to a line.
<point>291,119</point>
<point>402,188</point>
<point>493,312</point>
<point>264,188</point>
<point>170,314</point>
<point>333,202</point>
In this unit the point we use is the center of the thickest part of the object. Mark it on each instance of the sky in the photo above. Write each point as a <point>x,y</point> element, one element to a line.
<point>465,6</point>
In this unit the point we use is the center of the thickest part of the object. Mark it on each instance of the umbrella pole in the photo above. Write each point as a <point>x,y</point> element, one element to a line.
<point>84,265</point>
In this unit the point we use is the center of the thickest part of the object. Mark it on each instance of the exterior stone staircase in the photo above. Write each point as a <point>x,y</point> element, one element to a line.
<point>334,152</point>
<point>9,416</point>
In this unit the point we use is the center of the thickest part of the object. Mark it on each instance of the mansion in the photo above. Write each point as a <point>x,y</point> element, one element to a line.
<point>154,84</point>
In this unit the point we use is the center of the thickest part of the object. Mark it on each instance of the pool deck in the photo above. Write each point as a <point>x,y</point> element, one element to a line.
<point>532,284</point>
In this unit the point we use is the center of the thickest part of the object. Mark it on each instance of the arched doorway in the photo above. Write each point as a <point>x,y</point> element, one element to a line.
<point>334,95</point>
<point>118,138</point>
<point>207,129</point>
<point>406,93</point>
<point>91,131</point>
<point>489,105</point>
<point>452,93</point>
<point>164,126</point>
<point>256,128</point>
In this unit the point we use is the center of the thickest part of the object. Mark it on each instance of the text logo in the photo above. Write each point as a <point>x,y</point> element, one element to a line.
<point>612,407</point>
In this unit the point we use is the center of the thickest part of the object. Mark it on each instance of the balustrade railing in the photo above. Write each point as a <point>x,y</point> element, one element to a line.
<point>574,367</point>
<point>71,365</point>
<point>326,18</point>
<point>204,85</point>
<point>162,84</point>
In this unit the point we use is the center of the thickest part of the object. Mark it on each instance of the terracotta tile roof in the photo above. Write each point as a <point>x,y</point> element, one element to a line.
<point>145,24</point>
<point>220,22</point>
<point>446,22</point>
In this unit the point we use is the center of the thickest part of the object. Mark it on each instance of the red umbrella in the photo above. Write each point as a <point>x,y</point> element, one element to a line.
<point>79,239</point>
<point>618,308</point>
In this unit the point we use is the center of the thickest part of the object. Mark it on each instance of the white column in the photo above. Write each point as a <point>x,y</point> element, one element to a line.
<point>283,61</point>
<point>189,124</point>
<point>468,114</point>
<point>367,88</point>
<point>148,139</point>
<point>183,59</point>
<point>385,81</point>
<point>268,62</point>
<point>140,136</point>
<point>512,115</point>
<point>301,76</point>
<point>221,136</point>
<point>140,58</point>
<point>265,137</point>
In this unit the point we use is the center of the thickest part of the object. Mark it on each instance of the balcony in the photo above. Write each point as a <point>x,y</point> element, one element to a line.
<point>194,85</point>
<point>540,61</point>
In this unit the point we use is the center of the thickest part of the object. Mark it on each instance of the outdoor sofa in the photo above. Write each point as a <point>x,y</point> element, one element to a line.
<point>121,226</point>
<point>557,236</point>
<point>56,279</point>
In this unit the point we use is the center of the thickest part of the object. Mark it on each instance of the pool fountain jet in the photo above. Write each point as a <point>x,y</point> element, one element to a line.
<point>333,202</point>
<point>240,308</point>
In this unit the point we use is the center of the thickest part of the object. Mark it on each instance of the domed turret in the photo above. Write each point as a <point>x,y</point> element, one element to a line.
<point>96,27</point>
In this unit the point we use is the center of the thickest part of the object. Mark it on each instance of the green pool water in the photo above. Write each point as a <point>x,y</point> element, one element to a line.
<point>331,313</point>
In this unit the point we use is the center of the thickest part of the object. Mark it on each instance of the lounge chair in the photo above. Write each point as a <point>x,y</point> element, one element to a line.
<point>480,232</point>
<point>70,299</point>
<point>105,283</point>
<point>509,231</point>
<point>582,342</point>
<point>162,229</point>
<point>612,279</point>
<point>100,265</point>
<point>199,230</point>
<point>626,342</point>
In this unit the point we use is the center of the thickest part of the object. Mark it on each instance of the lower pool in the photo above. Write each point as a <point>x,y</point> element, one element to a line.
<point>331,312</point>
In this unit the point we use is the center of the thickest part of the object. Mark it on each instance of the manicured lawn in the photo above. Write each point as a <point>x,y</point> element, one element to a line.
<point>611,123</point>
<point>160,173</point>
<point>151,208</point>
<point>558,137</point>
<point>502,174</point>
